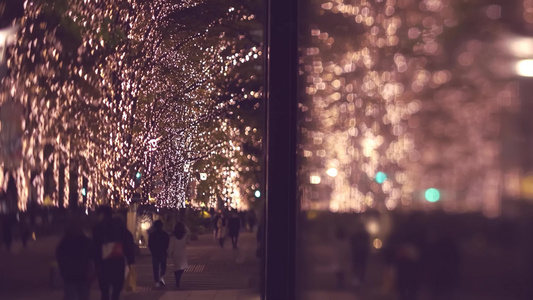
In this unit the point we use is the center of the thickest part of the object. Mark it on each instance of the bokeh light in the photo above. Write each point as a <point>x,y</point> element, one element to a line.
<point>432,195</point>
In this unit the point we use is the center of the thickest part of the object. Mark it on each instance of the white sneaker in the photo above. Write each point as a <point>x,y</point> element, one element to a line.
<point>162,281</point>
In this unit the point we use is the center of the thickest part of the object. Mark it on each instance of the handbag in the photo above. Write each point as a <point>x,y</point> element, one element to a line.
<point>130,283</point>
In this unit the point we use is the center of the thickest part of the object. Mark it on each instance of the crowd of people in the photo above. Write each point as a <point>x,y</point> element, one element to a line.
<point>103,257</point>
<point>231,226</point>
<point>421,254</point>
<point>414,256</point>
<point>162,245</point>
<point>110,251</point>
<point>108,256</point>
<point>21,226</point>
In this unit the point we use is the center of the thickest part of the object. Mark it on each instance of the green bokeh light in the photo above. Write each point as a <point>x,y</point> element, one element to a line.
<point>432,195</point>
<point>83,192</point>
<point>381,177</point>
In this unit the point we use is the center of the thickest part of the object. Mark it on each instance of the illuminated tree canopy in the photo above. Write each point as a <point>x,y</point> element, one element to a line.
<point>117,88</point>
<point>402,89</point>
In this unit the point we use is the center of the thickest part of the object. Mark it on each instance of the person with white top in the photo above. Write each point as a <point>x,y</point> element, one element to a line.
<point>177,250</point>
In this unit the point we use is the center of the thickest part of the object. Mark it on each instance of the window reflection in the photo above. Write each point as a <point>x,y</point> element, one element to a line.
<point>415,148</point>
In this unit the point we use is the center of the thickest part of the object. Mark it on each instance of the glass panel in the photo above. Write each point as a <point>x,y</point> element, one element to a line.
<point>415,149</point>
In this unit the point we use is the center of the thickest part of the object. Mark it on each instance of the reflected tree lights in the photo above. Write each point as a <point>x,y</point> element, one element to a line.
<point>402,88</point>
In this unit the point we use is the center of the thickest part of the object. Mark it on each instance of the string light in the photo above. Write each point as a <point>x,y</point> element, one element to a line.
<point>388,90</point>
<point>123,86</point>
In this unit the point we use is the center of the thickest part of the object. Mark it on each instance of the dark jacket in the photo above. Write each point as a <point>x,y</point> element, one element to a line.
<point>234,226</point>
<point>112,233</point>
<point>442,263</point>
<point>215,221</point>
<point>158,243</point>
<point>74,258</point>
<point>360,246</point>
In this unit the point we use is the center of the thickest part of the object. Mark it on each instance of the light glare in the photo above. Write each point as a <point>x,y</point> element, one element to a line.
<point>314,179</point>
<point>332,172</point>
<point>525,68</point>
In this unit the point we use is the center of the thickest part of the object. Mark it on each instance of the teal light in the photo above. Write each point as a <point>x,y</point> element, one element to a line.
<point>381,177</point>
<point>83,192</point>
<point>138,175</point>
<point>257,194</point>
<point>432,195</point>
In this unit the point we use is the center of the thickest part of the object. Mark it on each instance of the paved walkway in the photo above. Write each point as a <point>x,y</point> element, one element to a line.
<point>210,267</point>
<point>214,273</point>
<point>160,295</point>
<point>485,274</point>
<point>210,295</point>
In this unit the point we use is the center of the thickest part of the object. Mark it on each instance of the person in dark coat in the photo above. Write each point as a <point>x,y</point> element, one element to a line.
<point>252,220</point>
<point>442,262</point>
<point>234,227</point>
<point>25,232</point>
<point>360,243</point>
<point>215,225</point>
<point>114,248</point>
<point>342,258</point>
<point>242,216</point>
<point>158,245</point>
<point>405,254</point>
<point>76,262</point>
<point>7,234</point>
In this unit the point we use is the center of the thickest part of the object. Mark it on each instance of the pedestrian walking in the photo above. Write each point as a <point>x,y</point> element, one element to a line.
<point>342,259</point>
<point>234,228</point>
<point>360,244</point>
<point>405,255</point>
<point>221,232</point>
<point>215,225</point>
<point>177,251</point>
<point>7,233</point>
<point>252,220</point>
<point>242,217</point>
<point>442,260</point>
<point>114,249</point>
<point>158,244</point>
<point>75,260</point>
<point>25,232</point>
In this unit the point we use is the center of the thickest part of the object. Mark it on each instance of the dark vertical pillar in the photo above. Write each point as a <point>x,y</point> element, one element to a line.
<point>61,186</point>
<point>85,187</point>
<point>12,194</point>
<point>281,203</point>
<point>49,185</point>
<point>73,185</point>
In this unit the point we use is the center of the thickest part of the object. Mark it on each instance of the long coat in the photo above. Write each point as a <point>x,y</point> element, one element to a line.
<point>234,226</point>
<point>158,243</point>
<point>177,251</point>
<point>221,225</point>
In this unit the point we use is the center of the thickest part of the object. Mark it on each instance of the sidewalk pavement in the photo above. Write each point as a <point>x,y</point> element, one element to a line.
<point>160,295</point>
<point>486,275</point>
<point>210,295</point>
<point>375,295</point>
<point>214,273</point>
<point>210,267</point>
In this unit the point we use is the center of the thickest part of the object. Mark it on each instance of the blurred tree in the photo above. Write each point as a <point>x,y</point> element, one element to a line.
<point>119,86</point>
